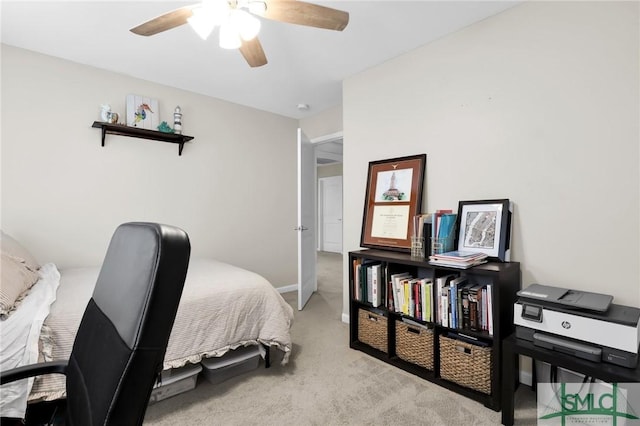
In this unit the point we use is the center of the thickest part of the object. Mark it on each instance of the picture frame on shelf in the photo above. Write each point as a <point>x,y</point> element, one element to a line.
<point>484,226</point>
<point>142,112</point>
<point>393,197</point>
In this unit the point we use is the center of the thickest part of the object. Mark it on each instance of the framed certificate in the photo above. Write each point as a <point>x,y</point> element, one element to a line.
<point>393,198</point>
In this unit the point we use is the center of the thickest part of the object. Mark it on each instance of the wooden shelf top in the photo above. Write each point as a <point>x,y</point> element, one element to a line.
<point>136,132</point>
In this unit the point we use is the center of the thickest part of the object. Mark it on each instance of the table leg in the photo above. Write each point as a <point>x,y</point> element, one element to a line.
<point>509,372</point>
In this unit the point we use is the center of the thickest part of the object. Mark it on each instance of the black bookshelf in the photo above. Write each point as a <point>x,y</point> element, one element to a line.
<point>505,281</point>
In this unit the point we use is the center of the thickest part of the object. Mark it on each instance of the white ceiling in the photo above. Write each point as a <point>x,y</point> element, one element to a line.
<point>306,65</point>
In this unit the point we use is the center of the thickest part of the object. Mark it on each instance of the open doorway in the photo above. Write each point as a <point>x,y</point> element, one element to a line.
<point>330,214</point>
<point>328,153</point>
<point>328,150</point>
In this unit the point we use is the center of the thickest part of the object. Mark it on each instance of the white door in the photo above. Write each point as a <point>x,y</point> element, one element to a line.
<point>307,277</point>
<point>331,213</point>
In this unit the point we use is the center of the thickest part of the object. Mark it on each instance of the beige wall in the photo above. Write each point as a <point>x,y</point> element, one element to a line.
<point>538,104</point>
<point>324,123</point>
<point>63,194</point>
<point>330,170</point>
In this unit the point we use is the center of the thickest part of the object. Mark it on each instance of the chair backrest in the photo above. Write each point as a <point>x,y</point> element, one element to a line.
<point>120,345</point>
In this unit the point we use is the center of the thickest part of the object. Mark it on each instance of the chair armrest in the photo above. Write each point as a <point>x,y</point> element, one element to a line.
<point>26,371</point>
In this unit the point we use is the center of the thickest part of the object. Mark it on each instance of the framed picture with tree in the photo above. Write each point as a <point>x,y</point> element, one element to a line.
<point>393,197</point>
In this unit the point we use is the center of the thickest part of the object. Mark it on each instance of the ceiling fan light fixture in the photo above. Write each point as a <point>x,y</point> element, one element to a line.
<point>201,22</point>
<point>229,38</point>
<point>217,11</point>
<point>239,21</point>
<point>248,26</point>
<point>257,7</point>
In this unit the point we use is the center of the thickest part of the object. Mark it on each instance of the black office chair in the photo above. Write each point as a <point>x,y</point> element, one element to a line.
<point>120,346</point>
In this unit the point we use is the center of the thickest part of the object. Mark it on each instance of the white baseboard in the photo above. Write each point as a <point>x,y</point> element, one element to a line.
<point>287,288</point>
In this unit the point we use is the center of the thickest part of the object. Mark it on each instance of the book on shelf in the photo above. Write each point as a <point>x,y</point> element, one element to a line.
<point>396,289</point>
<point>456,285</point>
<point>355,285</point>
<point>426,296</point>
<point>490,309</point>
<point>410,296</point>
<point>483,322</point>
<point>458,255</point>
<point>426,232</point>
<point>390,303</point>
<point>377,289</point>
<point>458,259</point>
<point>461,304</point>
<point>479,308</point>
<point>436,220</point>
<point>416,305</point>
<point>473,308</point>
<point>447,225</point>
<point>444,306</point>
<point>457,265</point>
<point>440,284</point>
<point>465,307</point>
<point>367,282</point>
<point>406,295</point>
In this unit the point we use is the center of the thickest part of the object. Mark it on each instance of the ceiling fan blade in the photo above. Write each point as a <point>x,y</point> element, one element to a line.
<point>165,22</point>
<point>302,13</point>
<point>253,53</point>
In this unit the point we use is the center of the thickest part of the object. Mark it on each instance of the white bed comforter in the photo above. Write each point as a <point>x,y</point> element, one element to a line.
<point>19,339</point>
<point>222,307</point>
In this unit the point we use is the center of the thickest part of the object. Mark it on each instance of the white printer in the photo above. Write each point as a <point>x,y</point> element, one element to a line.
<point>582,324</point>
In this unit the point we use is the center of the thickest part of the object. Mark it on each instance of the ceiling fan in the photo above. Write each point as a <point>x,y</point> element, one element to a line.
<point>238,23</point>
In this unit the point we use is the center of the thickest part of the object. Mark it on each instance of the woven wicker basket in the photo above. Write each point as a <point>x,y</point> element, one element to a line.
<point>466,364</point>
<point>414,345</point>
<point>372,329</point>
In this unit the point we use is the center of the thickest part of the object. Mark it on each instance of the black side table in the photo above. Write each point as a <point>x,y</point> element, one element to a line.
<point>512,347</point>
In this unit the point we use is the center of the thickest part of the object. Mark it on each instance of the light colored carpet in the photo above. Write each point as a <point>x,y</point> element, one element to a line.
<point>327,383</point>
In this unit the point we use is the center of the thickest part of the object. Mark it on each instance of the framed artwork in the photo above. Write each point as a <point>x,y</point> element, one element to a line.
<point>142,112</point>
<point>393,198</point>
<point>484,226</point>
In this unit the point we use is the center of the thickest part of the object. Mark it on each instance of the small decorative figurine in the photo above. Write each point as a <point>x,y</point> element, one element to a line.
<point>164,127</point>
<point>105,112</point>
<point>177,120</point>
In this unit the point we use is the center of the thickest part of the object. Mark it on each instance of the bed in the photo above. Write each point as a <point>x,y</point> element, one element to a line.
<point>223,307</point>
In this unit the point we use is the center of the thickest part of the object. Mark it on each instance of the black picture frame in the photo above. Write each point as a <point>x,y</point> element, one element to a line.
<point>393,197</point>
<point>484,226</point>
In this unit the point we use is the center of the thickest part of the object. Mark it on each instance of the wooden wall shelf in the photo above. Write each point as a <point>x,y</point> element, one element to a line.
<point>135,132</point>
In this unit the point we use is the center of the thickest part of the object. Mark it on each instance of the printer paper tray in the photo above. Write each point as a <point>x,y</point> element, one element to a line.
<point>577,349</point>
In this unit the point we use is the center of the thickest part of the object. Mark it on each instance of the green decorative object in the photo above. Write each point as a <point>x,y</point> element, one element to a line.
<point>164,127</point>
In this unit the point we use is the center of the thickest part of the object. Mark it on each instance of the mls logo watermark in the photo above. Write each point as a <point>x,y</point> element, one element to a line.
<point>589,403</point>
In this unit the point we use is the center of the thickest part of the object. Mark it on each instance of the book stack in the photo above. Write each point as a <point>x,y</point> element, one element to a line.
<point>412,296</point>
<point>368,282</point>
<point>463,303</point>
<point>458,259</point>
